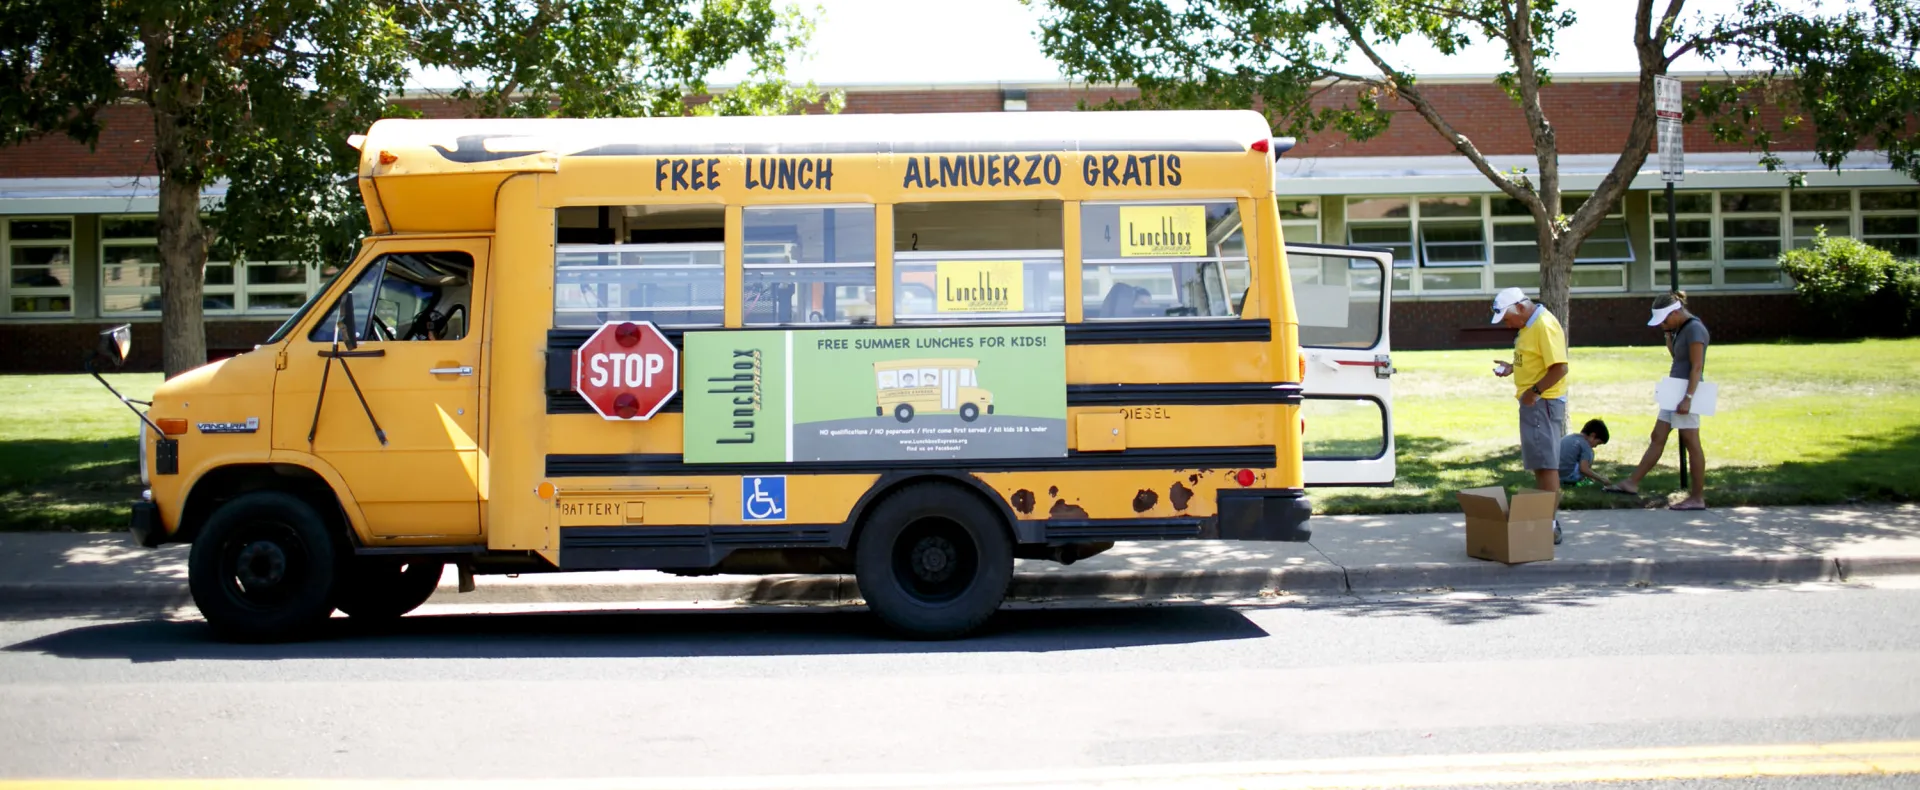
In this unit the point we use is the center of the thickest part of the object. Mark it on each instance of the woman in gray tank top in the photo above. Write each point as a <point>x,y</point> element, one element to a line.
<point>1687,341</point>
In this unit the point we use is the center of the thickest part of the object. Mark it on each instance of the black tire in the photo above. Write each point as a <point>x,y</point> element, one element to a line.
<point>933,561</point>
<point>264,569</point>
<point>377,589</point>
<point>903,413</point>
<point>969,412</point>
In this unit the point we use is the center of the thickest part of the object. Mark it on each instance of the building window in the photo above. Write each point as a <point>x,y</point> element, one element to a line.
<point>39,266</point>
<point>1890,220</point>
<point>1734,238</point>
<point>1470,244</point>
<point>130,276</point>
<point>1812,212</point>
<point>1299,220</point>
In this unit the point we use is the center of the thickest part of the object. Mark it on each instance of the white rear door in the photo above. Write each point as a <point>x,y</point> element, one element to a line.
<point>1343,296</point>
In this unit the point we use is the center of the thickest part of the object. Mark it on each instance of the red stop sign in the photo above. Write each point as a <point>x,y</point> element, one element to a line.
<point>627,370</point>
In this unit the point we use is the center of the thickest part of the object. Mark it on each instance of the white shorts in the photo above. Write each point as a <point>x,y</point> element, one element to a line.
<point>1684,422</point>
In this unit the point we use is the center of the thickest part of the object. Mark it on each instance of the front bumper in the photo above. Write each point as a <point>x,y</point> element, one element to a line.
<point>1278,514</point>
<point>145,525</point>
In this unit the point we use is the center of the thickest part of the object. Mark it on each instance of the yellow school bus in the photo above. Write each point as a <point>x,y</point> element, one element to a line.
<point>1111,288</point>
<point>904,388</point>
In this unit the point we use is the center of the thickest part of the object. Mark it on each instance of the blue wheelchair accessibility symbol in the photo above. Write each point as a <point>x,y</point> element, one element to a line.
<point>763,498</point>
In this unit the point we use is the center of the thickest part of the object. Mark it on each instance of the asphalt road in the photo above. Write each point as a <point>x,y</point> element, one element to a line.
<point>545,695</point>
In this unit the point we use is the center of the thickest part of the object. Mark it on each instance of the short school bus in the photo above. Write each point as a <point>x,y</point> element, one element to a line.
<point>1116,283</point>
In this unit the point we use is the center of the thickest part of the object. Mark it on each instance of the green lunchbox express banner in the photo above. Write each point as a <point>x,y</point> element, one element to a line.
<point>875,394</point>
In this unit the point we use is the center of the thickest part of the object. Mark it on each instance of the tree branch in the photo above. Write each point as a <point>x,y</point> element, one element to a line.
<point>1460,143</point>
<point>1639,141</point>
<point>1546,149</point>
<point>1701,42</point>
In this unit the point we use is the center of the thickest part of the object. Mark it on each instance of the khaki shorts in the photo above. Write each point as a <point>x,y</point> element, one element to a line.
<point>1684,422</point>
<point>1541,426</point>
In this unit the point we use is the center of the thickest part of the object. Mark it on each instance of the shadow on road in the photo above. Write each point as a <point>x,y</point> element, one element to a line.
<point>628,634</point>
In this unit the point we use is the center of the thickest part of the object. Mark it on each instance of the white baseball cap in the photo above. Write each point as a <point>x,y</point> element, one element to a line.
<point>1506,298</point>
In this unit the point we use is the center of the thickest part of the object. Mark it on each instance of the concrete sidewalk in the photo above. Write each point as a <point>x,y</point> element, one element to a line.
<point>1348,554</point>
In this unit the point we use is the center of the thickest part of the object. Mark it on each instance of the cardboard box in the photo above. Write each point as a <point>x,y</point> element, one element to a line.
<point>1509,532</point>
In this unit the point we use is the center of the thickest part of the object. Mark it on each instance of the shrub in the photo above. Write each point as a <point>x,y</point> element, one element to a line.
<point>1906,287</point>
<point>1853,284</point>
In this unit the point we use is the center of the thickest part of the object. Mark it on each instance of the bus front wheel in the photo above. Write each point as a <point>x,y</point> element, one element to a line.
<point>933,561</point>
<point>903,412</point>
<point>969,412</point>
<point>384,588</point>
<point>263,568</point>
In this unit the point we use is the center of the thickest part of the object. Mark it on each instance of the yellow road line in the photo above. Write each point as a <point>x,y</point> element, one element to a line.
<point>1590,766</point>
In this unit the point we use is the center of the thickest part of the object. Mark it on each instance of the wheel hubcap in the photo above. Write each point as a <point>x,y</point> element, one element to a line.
<point>262,564</point>
<point>935,561</point>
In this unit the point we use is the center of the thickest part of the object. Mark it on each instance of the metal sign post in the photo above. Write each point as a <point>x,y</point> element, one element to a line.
<point>1666,107</point>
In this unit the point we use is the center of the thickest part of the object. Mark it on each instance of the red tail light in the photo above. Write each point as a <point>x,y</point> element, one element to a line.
<point>1244,478</point>
<point>1261,145</point>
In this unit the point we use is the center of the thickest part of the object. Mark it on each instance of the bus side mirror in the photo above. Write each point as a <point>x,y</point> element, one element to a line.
<point>115,344</point>
<point>344,330</point>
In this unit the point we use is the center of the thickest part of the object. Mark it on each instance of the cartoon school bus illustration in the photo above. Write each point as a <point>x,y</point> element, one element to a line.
<point>907,387</point>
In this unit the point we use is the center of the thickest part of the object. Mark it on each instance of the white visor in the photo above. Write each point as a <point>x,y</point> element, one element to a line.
<point>1661,314</point>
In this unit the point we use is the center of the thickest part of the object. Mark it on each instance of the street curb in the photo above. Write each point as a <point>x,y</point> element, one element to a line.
<point>1229,583</point>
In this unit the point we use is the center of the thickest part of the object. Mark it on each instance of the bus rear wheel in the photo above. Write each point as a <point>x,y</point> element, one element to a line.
<point>381,588</point>
<point>903,412</point>
<point>263,569</point>
<point>969,412</point>
<point>933,561</point>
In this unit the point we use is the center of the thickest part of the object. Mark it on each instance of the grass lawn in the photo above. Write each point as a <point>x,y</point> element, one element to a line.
<point>1798,423</point>
<point>1814,423</point>
<point>67,451</point>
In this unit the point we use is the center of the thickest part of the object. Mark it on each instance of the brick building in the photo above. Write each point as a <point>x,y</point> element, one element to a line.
<point>76,225</point>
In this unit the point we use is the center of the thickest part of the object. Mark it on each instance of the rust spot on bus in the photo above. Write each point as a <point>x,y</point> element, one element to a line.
<point>1063,510</point>
<point>1023,501</point>
<point>1145,500</point>
<point>1179,496</point>
<point>1053,491</point>
<point>1193,480</point>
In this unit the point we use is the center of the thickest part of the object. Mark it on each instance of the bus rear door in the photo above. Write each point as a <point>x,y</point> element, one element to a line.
<point>1342,296</point>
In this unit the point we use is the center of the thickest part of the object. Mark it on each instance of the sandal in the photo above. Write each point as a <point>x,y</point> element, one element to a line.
<point>1689,507</point>
<point>1615,489</point>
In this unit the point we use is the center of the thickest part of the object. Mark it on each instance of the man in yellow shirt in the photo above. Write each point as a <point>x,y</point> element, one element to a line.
<point>1539,371</point>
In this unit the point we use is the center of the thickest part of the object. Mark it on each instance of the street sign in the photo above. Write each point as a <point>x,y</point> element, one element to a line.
<point>1671,137</point>
<point>627,370</point>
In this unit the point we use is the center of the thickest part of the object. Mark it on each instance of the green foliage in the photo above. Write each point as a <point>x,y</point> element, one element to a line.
<point>614,58</point>
<point>1850,75</point>
<point>1839,276</point>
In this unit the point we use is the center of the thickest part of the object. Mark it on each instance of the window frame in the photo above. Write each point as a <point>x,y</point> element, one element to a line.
<point>1861,214</point>
<point>1226,280</point>
<point>9,291</point>
<point>872,265</point>
<point>616,249</point>
<point>238,292</point>
<point>1410,278</point>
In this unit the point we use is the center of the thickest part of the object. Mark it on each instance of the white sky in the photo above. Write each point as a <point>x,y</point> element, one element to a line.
<point>864,42</point>
<point>894,41</point>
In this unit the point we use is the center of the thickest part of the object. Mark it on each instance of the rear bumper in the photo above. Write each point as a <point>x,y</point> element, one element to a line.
<point>1264,514</point>
<point>145,525</point>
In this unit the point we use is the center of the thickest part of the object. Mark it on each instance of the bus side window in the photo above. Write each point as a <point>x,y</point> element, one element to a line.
<point>808,265</point>
<point>670,268</point>
<point>1163,260</point>
<point>979,260</point>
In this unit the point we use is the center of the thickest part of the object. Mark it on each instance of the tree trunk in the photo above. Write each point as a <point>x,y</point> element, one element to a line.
<point>179,153</point>
<point>183,262</point>
<point>1556,279</point>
